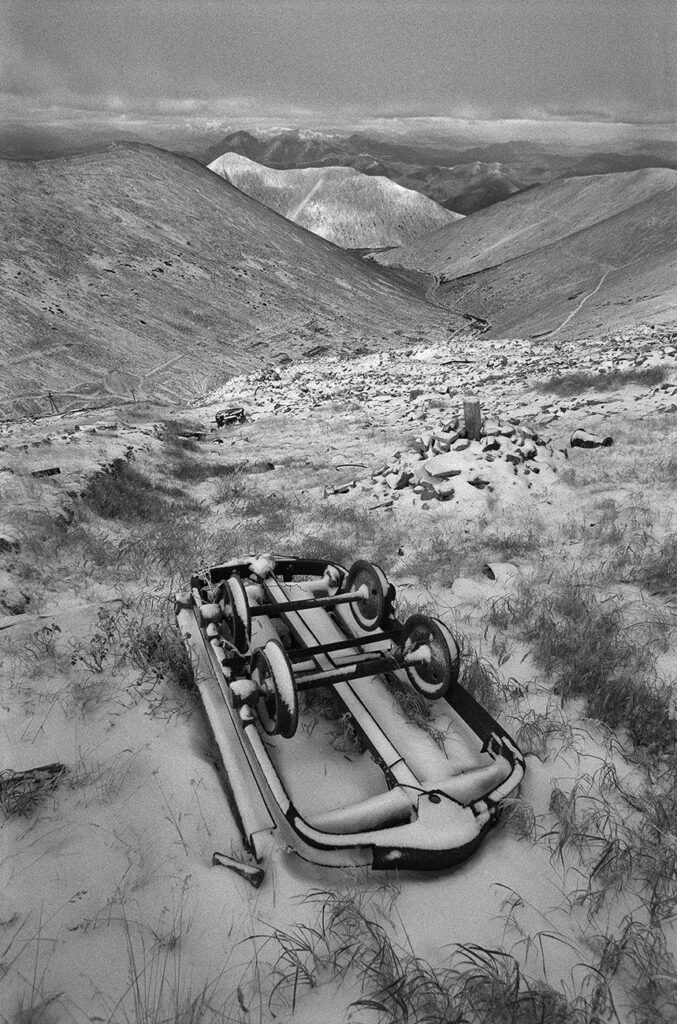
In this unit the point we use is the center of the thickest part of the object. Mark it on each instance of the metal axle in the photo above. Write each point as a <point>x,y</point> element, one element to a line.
<point>386,662</point>
<point>311,602</point>
<point>343,645</point>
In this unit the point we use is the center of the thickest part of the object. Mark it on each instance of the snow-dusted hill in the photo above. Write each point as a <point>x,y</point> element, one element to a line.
<point>340,204</point>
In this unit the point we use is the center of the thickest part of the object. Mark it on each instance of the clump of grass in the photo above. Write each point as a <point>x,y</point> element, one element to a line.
<point>348,531</point>
<point>538,730</point>
<point>642,952</point>
<point>625,835</point>
<point>665,469</point>
<point>173,435</point>
<point>657,571</point>
<point>581,380</point>
<point>22,792</point>
<point>442,554</point>
<point>123,492</point>
<point>323,703</point>
<point>190,470</point>
<point>476,984</point>
<point>479,677</point>
<point>160,989</point>
<point>518,816</point>
<point>584,646</point>
<point>159,651</point>
<point>418,711</point>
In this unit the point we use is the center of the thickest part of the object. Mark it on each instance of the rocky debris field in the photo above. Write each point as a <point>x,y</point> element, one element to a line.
<point>538,401</point>
<point>536,398</point>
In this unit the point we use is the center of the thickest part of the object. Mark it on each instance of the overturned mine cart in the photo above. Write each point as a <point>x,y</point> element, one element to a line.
<point>263,632</point>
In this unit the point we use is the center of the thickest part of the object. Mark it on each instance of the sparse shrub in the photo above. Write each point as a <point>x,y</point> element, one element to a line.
<point>123,492</point>
<point>42,643</point>
<point>172,431</point>
<point>157,649</point>
<point>93,652</point>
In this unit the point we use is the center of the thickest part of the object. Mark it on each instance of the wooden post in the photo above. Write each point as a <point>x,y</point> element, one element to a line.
<point>472,414</point>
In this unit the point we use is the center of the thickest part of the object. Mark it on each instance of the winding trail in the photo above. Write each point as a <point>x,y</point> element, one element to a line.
<point>580,304</point>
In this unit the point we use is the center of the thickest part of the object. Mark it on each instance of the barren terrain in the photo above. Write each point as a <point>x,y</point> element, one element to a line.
<point>554,564</point>
<point>134,273</point>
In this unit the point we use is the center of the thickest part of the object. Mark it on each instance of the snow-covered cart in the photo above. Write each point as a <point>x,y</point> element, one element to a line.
<point>262,631</point>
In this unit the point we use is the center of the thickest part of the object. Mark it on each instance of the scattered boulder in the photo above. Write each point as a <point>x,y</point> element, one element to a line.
<point>443,466</point>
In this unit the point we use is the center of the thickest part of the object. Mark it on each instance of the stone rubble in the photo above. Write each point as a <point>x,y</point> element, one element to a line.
<point>424,388</point>
<point>410,383</point>
<point>442,458</point>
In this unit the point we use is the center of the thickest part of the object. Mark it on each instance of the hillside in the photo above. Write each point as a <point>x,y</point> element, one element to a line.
<point>137,273</point>
<point>570,256</point>
<point>340,204</point>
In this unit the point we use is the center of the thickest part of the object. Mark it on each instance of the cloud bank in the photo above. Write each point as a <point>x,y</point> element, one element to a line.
<point>610,58</point>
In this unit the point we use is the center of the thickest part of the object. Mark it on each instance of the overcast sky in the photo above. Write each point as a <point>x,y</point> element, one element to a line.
<point>451,57</point>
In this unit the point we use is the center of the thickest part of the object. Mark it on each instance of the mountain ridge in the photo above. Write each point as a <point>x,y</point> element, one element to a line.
<point>338,203</point>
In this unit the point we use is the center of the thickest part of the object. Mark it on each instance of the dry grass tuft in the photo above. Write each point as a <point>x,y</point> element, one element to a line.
<point>582,643</point>
<point>582,380</point>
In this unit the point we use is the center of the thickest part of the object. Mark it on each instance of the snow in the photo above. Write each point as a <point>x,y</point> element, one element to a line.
<point>129,834</point>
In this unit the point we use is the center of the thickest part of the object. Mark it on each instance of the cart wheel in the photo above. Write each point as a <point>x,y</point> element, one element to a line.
<point>372,610</point>
<point>431,655</point>
<point>238,617</point>
<point>278,706</point>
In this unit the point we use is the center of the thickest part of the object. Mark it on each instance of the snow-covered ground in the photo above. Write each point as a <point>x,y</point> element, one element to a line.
<point>111,908</point>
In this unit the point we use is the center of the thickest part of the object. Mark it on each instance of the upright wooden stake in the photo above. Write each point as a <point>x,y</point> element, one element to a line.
<point>472,413</point>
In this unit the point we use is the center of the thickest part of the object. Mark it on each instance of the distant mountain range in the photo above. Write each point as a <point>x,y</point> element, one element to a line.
<point>134,271</point>
<point>573,257</point>
<point>341,204</point>
<point>463,179</point>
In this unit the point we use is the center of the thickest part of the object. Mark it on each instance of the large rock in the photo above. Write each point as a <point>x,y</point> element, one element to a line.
<point>442,467</point>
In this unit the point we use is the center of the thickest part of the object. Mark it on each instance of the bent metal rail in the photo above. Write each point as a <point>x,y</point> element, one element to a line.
<point>339,630</point>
